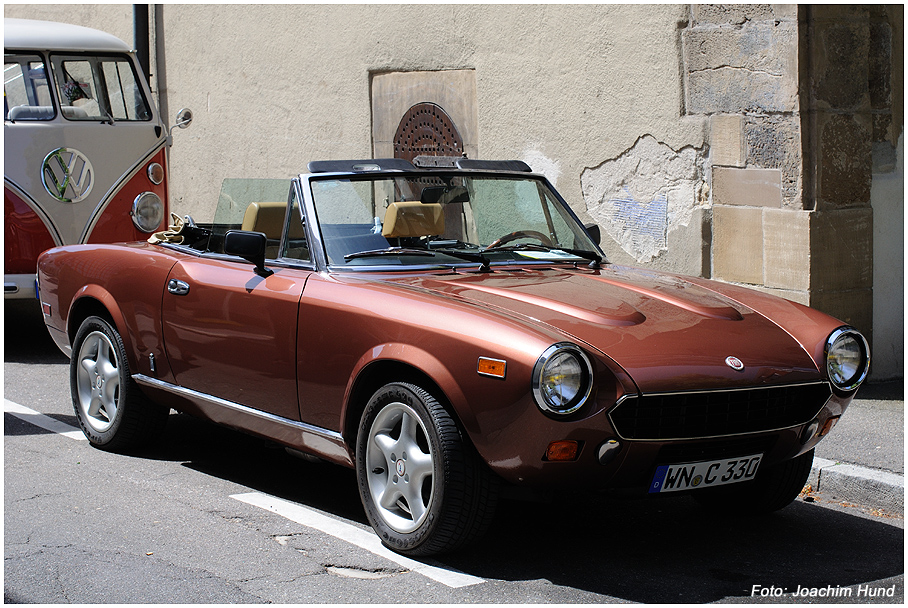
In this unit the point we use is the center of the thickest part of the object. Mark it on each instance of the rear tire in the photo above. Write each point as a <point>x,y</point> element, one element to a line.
<point>773,489</point>
<point>423,486</point>
<point>113,412</point>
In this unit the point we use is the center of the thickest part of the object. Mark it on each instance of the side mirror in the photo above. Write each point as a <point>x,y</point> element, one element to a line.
<point>593,231</point>
<point>183,119</point>
<point>250,246</point>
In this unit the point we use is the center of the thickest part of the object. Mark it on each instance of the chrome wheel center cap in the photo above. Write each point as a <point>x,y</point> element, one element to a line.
<point>401,467</point>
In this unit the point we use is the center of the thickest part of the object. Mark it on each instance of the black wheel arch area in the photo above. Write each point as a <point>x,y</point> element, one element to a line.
<point>378,374</point>
<point>87,307</point>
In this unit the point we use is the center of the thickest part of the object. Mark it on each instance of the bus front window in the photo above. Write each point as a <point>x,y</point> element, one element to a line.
<point>26,95</point>
<point>99,88</point>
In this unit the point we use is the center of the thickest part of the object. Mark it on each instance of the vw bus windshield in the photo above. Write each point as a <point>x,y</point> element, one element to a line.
<point>26,93</point>
<point>446,219</point>
<point>99,88</point>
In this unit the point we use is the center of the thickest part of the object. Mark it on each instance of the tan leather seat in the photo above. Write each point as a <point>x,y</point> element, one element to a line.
<point>267,218</point>
<point>413,219</point>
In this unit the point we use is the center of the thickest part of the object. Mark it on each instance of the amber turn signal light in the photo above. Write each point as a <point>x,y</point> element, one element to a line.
<point>564,450</point>
<point>491,367</point>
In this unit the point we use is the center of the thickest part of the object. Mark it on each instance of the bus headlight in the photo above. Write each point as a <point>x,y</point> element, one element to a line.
<point>847,358</point>
<point>147,212</point>
<point>562,379</point>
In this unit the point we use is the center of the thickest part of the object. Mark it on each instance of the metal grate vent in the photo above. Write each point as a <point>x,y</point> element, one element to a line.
<point>427,130</point>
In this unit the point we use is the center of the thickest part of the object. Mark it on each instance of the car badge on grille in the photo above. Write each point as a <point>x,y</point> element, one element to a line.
<point>734,363</point>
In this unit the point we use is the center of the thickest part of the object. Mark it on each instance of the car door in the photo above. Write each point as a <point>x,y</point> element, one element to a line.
<point>232,334</point>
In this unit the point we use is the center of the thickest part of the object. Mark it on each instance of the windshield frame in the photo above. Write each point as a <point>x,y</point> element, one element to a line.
<point>304,183</point>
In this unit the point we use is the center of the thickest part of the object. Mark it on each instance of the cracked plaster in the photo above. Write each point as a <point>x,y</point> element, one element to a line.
<point>644,194</point>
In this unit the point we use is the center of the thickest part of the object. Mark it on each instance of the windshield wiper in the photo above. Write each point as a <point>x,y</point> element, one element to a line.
<point>389,251</point>
<point>470,257</point>
<point>594,258</point>
<point>463,255</point>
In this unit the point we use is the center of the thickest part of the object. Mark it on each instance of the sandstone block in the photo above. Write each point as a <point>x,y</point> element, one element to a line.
<point>786,254</point>
<point>726,140</point>
<point>841,250</point>
<point>738,244</point>
<point>750,187</point>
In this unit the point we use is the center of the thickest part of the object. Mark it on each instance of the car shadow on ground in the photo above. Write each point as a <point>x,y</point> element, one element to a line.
<point>653,551</point>
<point>25,338</point>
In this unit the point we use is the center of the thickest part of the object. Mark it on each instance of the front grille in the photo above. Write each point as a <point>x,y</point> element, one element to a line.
<point>718,413</point>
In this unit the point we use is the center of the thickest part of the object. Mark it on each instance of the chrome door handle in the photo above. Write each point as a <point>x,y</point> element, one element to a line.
<point>177,287</point>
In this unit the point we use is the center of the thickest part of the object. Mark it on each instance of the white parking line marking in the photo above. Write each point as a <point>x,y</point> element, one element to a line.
<point>356,536</point>
<point>45,422</point>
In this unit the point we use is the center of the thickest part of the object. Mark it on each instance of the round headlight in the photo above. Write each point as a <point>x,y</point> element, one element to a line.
<point>847,358</point>
<point>147,212</point>
<point>562,379</point>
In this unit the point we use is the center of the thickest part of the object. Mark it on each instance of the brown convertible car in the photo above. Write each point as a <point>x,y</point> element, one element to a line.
<point>447,332</point>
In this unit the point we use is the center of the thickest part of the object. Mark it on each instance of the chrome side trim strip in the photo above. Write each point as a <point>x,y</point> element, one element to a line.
<point>189,393</point>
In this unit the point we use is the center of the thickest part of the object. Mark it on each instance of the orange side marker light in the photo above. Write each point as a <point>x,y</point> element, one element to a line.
<point>494,368</point>
<point>563,451</point>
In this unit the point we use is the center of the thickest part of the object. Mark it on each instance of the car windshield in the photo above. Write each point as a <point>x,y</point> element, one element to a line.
<point>445,219</point>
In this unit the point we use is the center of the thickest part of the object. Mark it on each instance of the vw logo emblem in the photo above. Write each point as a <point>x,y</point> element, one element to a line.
<point>67,175</point>
<point>734,363</point>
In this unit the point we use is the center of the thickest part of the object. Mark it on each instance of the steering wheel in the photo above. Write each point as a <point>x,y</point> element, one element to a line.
<point>522,234</point>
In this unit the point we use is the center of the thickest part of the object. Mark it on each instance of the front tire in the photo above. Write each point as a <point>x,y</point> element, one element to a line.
<point>773,489</point>
<point>113,412</point>
<point>423,486</point>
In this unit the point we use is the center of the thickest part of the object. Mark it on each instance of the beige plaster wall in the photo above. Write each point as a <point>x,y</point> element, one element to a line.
<point>114,19</point>
<point>567,88</point>
<point>280,85</point>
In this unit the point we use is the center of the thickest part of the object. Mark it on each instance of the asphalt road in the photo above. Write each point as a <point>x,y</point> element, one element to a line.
<point>182,523</point>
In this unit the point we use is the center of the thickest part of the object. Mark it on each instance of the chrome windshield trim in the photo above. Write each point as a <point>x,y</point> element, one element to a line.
<point>187,392</point>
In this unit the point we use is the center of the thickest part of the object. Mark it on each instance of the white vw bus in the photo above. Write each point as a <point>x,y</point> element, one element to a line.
<point>84,146</point>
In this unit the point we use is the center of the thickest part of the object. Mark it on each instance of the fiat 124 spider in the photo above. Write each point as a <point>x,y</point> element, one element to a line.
<point>447,332</point>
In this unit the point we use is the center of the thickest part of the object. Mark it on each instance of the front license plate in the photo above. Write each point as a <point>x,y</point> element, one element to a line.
<point>706,474</point>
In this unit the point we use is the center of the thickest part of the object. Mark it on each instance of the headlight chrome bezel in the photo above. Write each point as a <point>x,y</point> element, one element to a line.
<point>834,344</point>
<point>145,208</point>
<point>552,356</point>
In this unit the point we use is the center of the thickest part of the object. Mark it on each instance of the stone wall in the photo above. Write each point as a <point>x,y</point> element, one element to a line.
<point>741,70</point>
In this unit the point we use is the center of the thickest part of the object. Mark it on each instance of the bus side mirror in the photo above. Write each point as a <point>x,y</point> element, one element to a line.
<point>183,119</point>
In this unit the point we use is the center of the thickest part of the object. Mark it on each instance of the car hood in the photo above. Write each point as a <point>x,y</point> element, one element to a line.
<point>667,333</point>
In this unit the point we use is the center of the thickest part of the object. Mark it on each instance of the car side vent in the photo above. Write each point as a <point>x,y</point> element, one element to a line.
<point>718,413</point>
